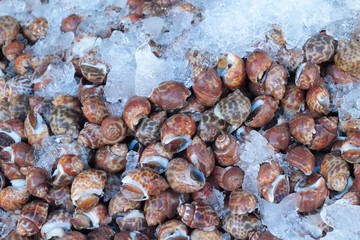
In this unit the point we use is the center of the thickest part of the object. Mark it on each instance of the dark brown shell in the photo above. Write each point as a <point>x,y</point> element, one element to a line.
<point>319,48</point>
<point>258,62</point>
<point>262,111</point>
<point>302,158</point>
<point>302,127</point>
<point>70,23</point>
<point>148,131</point>
<point>38,182</point>
<point>278,136</point>
<point>33,215</point>
<point>293,101</point>
<point>326,132</point>
<point>9,28</point>
<point>229,178</point>
<point>275,81</point>
<point>211,126</point>
<point>307,75</point>
<point>198,215</point>
<point>134,110</point>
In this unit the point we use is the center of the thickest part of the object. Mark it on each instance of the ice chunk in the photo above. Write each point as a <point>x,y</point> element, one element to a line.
<point>54,43</point>
<point>153,26</point>
<point>7,222</point>
<point>346,28</point>
<point>132,159</point>
<point>113,185</point>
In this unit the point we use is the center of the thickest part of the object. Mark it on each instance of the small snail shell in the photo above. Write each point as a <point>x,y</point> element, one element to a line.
<point>141,183</point>
<point>302,158</point>
<point>61,198</point>
<point>278,136</point>
<point>148,131</point>
<point>63,118</point>
<point>207,85</point>
<point>14,197</point>
<point>204,194</point>
<point>94,109</point>
<point>335,172</point>
<point>183,177</point>
<point>230,178</point>
<point>35,128</point>
<point>318,99</point>
<point>90,136</point>
<point>198,234</point>
<point>70,23</point>
<point>101,232</point>
<point>302,127</point>
<point>57,223</point>
<point>113,130</point>
<point>227,150</point>
<point>240,226</point>
<point>350,149</point>
<point>211,126</point>
<point>176,132</point>
<point>130,235</point>
<point>94,70</point>
<point>19,107</point>
<point>234,108</point>
<point>277,190</point>
<point>198,215</point>
<point>86,189</point>
<point>132,221</point>
<point>267,174</point>
<point>68,167</point>
<point>96,216</point>
<point>242,202</point>
<point>275,81</point>
<point>293,101</point>
<point>257,63</point>
<point>33,215</point>
<point>172,229</point>
<point>201,156</point>
<point>74,235</point>
<point>326,132</point>
<point>338,76</point>
<point>262,111</point>
<point>347,57</point>
<point>13,50</point>
<point>156,157</point>
<point>120,204</point>
<point>170,95</point>
<point>307,75</point>
<point>319,48</point>
<point>111,159</point>
<point>232,68</point>
<point>38,182</point>
<point>36,29</point>
<point>134,110</point>
<point>9,28</point>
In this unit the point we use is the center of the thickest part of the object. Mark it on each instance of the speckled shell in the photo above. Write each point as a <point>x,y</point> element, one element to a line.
<point>350,149</point>
<point>170,95</point>
<point>61,198</point>
<point>156,157</point>
<point>318,99</point>
<point>68,167</point>
<point>36,29</point>
<point>347,56</point>
<point>113,130</point>
<point>183,177</point>
<point>70,23</point>
<point>326,132</point>
<point>95,217</point>
<point>148,131</point>
<point>90,136</point>
<point>20,153</point>
<point>19,107</point>
<point>22,66</point>
<point>111,159</point>
<point>257,63</point>
<point>172,229</point>
<point>176,132</point>
<point>232,69</point>
<point>102,232</point>
<point>234,108</point>
<point>4,110</point>
<point>278,136</point>
<point>132,221</point>
<point>302,128</point>
<point>198,234</point>
<point>12,50</point>
<point>94,109</point>
<point>198,215</point>
<point>312,191</point>
<point>38,182</point>
<point>262,111</point>
<point>9,28</point>
<point>229,178</point>
<point>130,236</point>
<point>207,85</point>
<point>141,183</point>
<point>293,101</point>
<point>338,76</point>
<point>242,202</point>
<point>201,156</point>
<point>267,174</point>
<point>57,219</point>
<point>302,158</point>
<point>33,215</point>
<point>62,118</point>
<point>277,190</point>
<point>319,48</point>
<point>211,126</point>
<point>335,172</point>
<point>12,198</point>
<point>275,81</point>
<point>227,150</point>
<point>88,184</point>
<point>160,207</point>
<point>35,128</point>
<point>240,226</point>
<point>94,70</point>
<point>307,75</point>
<point>120,204</point>
<point>134,110</point>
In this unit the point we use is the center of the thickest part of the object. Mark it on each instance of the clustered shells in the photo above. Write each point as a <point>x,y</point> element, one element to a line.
<point>183,140</point>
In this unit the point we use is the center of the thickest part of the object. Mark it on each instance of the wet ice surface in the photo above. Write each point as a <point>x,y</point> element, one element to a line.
<point>7,222</point>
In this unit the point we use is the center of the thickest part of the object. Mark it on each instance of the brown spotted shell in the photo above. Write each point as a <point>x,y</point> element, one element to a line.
<point>257,63</point>
<point>13,50</point>
<point>232,69</point>
<point>148,131</point>
<point>350,148</point>
<point>227,150</point>
<point>172,229</point>
<point>160,207</point>
<point>170,95</point>
<point>198,234</point>
<point>36,29</point>
<point>13,198</point>
<point>61,198</point>
<point>9,28</point>
<point>56,219</point>
<point>275,81</point>
<point>68,167</point>
<point>319,48</point>
<point>183,177</point>
<point>211,126</point>
<point>347,56</point>
<point>207,85</point>
<point>156,157</point>
<point>234,108</point>
<point>307,75</point>
<point>35,128</point>
<point>94,109</point>
<point>19,107</point>
<point>33,215</point>
<point>176,132</point>
<point>335,172</point>
<point>113,130</point>
<point>229,178</point>
<point>198,215</point>
<point>318,100</point>
<point>262,111</point>
<point>111,159</point>
<point>134,110</point>
<point>94,70</point>
<point>302,158</point>
<point>132,221</point>
<point>95,217</point>
<point>326,132</point>
<point>240,226</point>
<point>141,183</point>
<point>302,128</point>
<point>267,174</point>
<point>120,204</point>
<point>38,182</point>
<point>90,136</point>
<point>278,136</point>
<point>70,23</point>
<point>242,202</point>
<point>86,189</point>
<point>293,101</point>
<point>63,118</point>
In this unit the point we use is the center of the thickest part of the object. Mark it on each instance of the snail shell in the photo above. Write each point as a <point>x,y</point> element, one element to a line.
<point>156,157</point>
<point>278,136</point>
<point>91,219</point>
<point>13,50</point>
<point>302,127</point>
<point>275,81</point>
<point>68,167</point>
<point>293,101</point>
<point>94,109</point>
<point>33,215</point>
<point>35,128</point>
<point>132,221</point>
<point>302,158</point>
<point>335,172</point>
<point>277,190</point>
<point>94,70</point>
<point>318,99</point>
<point>319,48</point>
<point>338,76</point>
<point>227,150</point>
<point>211,126</point>
<point>350,149</point>
<point>240,226</point>
<point>70,23</point>
<point>57,223</point>
<point>63,118</point>
<point>38,182</point>
<point>230,178</point>
<point>14,197</point>
<point>172,229</point>
<point>36,29</point>
<point>307,75</point>
<point>232,69</point>
<point>198,234</point>
<point>61,198</point>
<point>134,110</point>
<point>19,107</point>
<point>113,130</point>
<point>90,136</point>
<point>111,159</point>
<point>148,131</point>
<point>267,174</point>
<point>347,56</point>
<point>262,111</point>
<point>120,204</point>
<point>242,202</point>
<point>326,132</point>
<point>9,28</point>
<point>257,63</point>
<point>102,232</point>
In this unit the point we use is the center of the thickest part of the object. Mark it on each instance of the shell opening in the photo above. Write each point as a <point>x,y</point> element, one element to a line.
<point>133,214</point>
<point>16,138</point>
<point>197,175</point>
<point>129,181</point>
<point>94,219</point>
<point>11,153</point>
<point>299,71</point>
<point>158,162</point>
<point>85,194</point>
<point>178,143</point>
<point>18,183</point>
<point>55,233</point>
<point>349,147</point>
<point>53,228</point>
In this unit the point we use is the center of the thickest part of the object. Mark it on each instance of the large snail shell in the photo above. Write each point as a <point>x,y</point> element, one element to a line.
<point>90,136</point>
<point>207,85</point>
<point>86,189</point>
<point>276,80</point>
<point>302,127</point>
<point>33,215</point>
<point>94,109</point>
<point>234,108</point>
<point>302,158</point>
<point>35,128</point>
<point>319,48</point>
<point>307,75</point>
<point>156,157</point>
<point>112,159</point>
<point>211,126</point>
<point>347,56</point>
<point>201,156</point>
<point>262,111</point>
<point>57,223</point>
<point>15,197</point>
<point>134,110</point>
<point>335,172</point>
<point>183,177</point>
<point>62,118</point>
<point>257,63</point>
<point>240,226</point>
<point>232,68</point>
<point>120,204</point>
<point>227,150</point>
<point>38,182</point>
<point>229,178</point>
<point>242,202</point>
<point>278,136</point>
<point>113,130</point>
<point>170,95</point>
<point>67,168</point>
<point>148,131</point>
<point>198,215</point>
<point>293,101</point>
<point>326,132</point>
<point>350,149</point>
<point>9,28</point>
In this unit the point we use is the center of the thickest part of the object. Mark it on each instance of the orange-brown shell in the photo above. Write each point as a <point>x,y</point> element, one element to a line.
<point>211,126</point>
<point>170,229</point>
<point>38,182</point>
<point>275,81</point>
<point>240,226</point>
<point>198,215</point>
<point>229,178</point>
<point>302,158</point>
<point>201,156</point>
<point>70,23</point>
<point>134,110</point>
<point>335,172</point>
<point>318,99</point>
<point>232,68</point>
<point>86,189</point>
<point>278,136</point>
<point>12,198</point>
<point>262,111</point>
<point>94,70</point>
<point>156,157</point>
<point>94,109</point>
<point>307,75</point>
<point>257,63</point>
<point>120,204</point>
<point>35,128</point>
<point>85,220</point>
<point>33,215</point>
<point>277,190</point>
<point>227,150</point>
<point>13,50</point>
<point>302,128</point>
<point>170,95</point>
<point>63,118</point>
<point>242,202</point>
<point>90,136</point>
<point>36,29</point>
<point>132,221</point>
<point>183,177</point>
<point>68,167</point>
<point>319,48</point>
<point>198,234</point>
<point>111,159</point>
<point>326,132</point>
<point>338,75</point>
<point>347,56</point>
<point>9,28</point>
<point>267,174</point>
<point>293,101</point>
<point>350,148</point>
<point>113,130</point>
<point>207,85</point>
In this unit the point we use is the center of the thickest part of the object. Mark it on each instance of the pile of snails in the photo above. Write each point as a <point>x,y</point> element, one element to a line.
<point>185,140</point>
